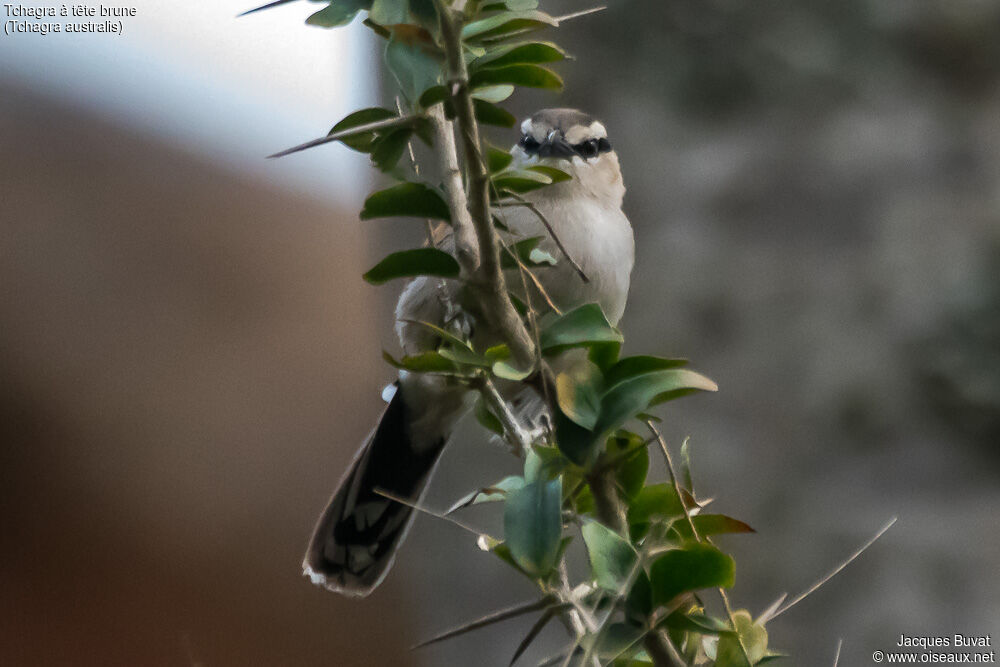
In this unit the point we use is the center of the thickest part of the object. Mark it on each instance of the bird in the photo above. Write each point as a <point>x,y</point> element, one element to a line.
<point>358,534</point>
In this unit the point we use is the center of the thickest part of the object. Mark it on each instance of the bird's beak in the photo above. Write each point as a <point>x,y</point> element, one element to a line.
<point>556,146</point>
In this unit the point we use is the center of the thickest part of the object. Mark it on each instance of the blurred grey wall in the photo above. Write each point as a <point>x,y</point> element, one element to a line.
<point>815,188</point>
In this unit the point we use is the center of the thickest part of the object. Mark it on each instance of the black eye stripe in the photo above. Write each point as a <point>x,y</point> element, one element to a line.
<point>586,149</point>
<point>592,148</point>
<point>529,144</point>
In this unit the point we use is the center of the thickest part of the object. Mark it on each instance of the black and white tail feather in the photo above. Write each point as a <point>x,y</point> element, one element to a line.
<point>357,535</point>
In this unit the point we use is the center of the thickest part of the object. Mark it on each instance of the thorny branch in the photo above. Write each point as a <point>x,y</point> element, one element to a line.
<point>486,279</point>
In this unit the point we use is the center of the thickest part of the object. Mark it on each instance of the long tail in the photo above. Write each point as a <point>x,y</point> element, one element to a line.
<point>357,535</point>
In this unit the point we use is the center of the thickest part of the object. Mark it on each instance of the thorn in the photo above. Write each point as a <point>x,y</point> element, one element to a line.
<point>511,612</point>
<point>263,7</point>
<point>835,570</point>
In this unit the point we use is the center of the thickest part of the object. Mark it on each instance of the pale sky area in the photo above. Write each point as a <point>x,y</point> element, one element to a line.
<point>236,89</point>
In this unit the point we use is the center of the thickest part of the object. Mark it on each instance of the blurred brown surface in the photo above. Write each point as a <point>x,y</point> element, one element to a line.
<point>177,402</point>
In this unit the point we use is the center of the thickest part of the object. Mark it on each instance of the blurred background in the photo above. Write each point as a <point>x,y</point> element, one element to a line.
<point>189,357</point>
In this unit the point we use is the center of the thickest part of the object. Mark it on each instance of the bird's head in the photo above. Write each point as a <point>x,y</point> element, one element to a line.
<point>575,142</point>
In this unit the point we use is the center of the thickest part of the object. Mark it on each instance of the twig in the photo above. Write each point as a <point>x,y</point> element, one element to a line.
<point>262,8</point>
<point>548,602</point>
<point>694,530</point>
<point>836,570</point>
<point>552,233</point>
<point>349,132</point>
<point>464,231</point>
<point>768,613</point>
<point>419,508</point>
<point>517,435</point>
<point>545,381</point>
<point>558,20</point>
<point>580,620</point>
<point>583,12</point>
<point>836,657</point>
<point>673,477</point>
<point>535,630</point>
<point>534,281</point>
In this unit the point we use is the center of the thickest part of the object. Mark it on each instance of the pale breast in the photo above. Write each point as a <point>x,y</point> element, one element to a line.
<point>598,238</point>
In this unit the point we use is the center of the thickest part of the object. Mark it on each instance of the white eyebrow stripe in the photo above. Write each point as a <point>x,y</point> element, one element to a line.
<point>578,133</point>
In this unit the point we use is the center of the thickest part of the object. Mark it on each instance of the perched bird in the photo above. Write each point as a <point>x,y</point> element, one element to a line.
<point>357,535</point>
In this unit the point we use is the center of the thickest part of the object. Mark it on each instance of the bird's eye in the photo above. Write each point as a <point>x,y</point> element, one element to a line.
<point>587,149</point>
<point>529,144</point>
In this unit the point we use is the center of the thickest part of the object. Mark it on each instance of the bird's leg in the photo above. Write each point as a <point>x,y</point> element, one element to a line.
<point>456,320</point>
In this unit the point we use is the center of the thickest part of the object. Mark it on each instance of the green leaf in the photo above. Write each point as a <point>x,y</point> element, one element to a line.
<point>506,22</point>
<point>489,494</point>
<point>497,159</point>
<point>539,257</point>
<point>712,524</point>
<point>555,175</point>
<point>426,13</point>
<point>520,181</point>
<point>605,355</point>
<point>424,128</point>
<point>533,525</point>
<point>433,95</point>
<point>578,392</point>
<point>414,69</point>
<point>654,501</point>
<point>501,551</point>
<point>519,5</point>
<point>639,602</point>
<point>526,250</point>
<point>388,148</point>
<point>416,262</point>
<point>620,639</point>
<point>729,653</point>
<point>338,13</point>
<point>577,443</point>
<point>581,327</point>
<point>463,356</point>
<point>630,367</point>
<point>447,338</point>
<point>425,362</point>
<point>493,93</point>
<point>625,399</point>
<point>491,114</point>
<point>686,477</point>
<point>695,622</point>
<point>529,76</point>
<point>362,142</point>
<point>487,419</point>
<point>516,184</point>
<point>612,558</point>
<point>689,569</point>
<point>543,463</point>
<point>390,12</point>
<point>498,352</point>
<point>631,471</point>
<point>585,501</point>
<point>526,53</point>
<point>406,200</point>
<point>508,371</point>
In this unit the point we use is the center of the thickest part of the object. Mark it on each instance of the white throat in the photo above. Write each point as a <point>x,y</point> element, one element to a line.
<point>599,178</point>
